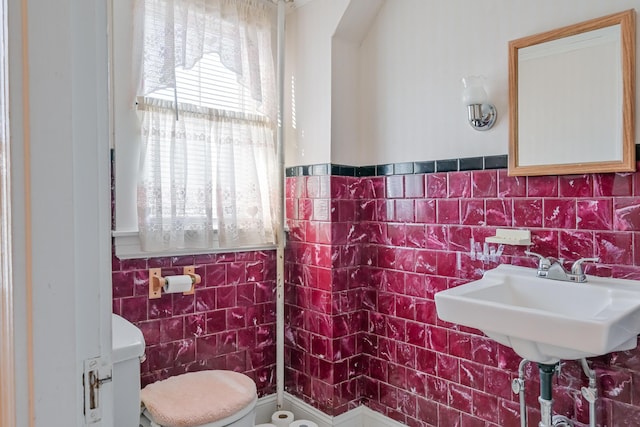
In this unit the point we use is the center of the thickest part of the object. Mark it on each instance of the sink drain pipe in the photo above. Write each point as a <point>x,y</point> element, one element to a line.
<point>545,398</point>
<point>590,393</point>
<point>547,419</point>
<point>517,385</point>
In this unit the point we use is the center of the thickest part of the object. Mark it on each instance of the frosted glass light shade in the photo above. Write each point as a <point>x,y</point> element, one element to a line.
<point>474,92</point>
<point>481,114</point>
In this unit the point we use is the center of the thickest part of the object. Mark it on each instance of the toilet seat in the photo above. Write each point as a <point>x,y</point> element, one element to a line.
<point>212,398</point>
<point>220,423</point>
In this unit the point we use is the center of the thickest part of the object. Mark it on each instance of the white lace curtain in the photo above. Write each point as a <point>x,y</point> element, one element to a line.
<point>207,179</point>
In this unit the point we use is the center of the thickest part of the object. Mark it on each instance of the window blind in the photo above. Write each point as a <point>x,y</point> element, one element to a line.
<point>210,84</point>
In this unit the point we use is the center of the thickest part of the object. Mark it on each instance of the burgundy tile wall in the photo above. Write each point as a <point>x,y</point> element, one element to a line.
<point>228,324</point>
<point>367,255</point>
<point>324,311</point>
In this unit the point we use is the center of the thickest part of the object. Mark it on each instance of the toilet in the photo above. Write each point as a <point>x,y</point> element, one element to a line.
<point>128,353</point>
<point>212,398</point>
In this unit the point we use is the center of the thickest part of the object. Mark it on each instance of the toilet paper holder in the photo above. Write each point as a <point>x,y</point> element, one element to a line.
<point>157,281</point>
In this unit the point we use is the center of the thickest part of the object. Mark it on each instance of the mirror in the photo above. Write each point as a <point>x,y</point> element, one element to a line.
<point>571,99</point>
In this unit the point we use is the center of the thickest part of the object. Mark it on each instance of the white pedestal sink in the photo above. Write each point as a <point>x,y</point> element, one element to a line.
<point>545,320</point>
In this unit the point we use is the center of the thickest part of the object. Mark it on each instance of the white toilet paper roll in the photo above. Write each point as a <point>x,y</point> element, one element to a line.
<point>303,423</point>
<point>282,418</point>
<point>177,284</point>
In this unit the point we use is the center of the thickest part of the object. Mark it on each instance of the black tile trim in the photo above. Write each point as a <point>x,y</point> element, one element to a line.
<point>366,171</point>
<point>496,162</point>
<point>320,169</point>
<point>424,167</point>
<point>344,170</point>
<point>404,168</point>
<point>449,165</point>
<point>384,169</point>
<point>294,171</point>
<point>471,163</point>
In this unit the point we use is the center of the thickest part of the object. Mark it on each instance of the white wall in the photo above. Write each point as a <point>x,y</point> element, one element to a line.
<point>419,50</point>
<point>410,63</point>
<point>344,102</point>
<point>346,75</point>
<point>309,29</point>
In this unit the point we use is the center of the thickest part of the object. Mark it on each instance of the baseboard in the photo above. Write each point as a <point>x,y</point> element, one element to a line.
<point>264,408</point>
<point>358,417</point>
<point>352,418</point>
<point>267,405</point>
<point>304,411</point>
<point>363,416</point>
<point>371,418</point>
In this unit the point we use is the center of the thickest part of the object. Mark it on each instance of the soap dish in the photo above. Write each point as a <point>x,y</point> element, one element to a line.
<point>511,237</point>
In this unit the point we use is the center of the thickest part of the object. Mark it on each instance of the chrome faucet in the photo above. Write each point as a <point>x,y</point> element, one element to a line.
<point>553,268</point>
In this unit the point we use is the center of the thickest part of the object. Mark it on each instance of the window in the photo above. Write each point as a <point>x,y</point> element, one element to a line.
<point>209,84</point>
<point>199,158</point>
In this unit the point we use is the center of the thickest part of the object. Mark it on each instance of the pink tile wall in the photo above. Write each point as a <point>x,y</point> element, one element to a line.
<point>324,312</point>
<point>228,324</point>
<point>375,259</point>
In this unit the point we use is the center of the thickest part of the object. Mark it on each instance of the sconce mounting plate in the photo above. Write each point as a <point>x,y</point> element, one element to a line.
<point>482,116</point>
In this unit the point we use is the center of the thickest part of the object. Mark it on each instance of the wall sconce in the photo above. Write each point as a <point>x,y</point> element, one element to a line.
<point>482,115</point>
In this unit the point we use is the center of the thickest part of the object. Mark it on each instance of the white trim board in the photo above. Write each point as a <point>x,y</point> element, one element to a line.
<point>361,416</point>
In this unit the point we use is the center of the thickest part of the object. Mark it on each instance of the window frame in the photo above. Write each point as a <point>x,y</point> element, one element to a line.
<point>125,144</point>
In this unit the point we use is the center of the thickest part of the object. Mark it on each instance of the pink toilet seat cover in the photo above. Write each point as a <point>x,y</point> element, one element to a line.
<point>197,398</point>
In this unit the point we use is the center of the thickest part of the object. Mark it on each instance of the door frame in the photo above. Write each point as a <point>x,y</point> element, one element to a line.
<point>7,350</point>
<point>60,206</point>
<point>8,409</point>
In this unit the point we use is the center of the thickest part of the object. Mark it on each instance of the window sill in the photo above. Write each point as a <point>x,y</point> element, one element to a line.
<point>127,246</point>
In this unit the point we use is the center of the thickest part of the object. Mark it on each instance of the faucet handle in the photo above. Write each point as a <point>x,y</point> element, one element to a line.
<point>543,262</point>
<point>553,260</point>
<point>576,268</point>
<point>537,255</point>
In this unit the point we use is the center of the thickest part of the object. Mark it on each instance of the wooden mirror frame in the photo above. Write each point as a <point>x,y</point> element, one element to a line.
<point>626,20</point>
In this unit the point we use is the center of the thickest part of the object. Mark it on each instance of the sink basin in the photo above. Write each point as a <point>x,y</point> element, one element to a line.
<point>547,320</point>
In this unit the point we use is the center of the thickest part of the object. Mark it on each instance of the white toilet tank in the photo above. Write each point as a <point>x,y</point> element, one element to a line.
<point>128,350</point>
